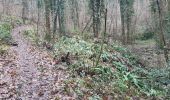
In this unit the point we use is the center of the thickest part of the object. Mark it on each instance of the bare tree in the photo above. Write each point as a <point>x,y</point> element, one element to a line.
<point>47,20</point>
<point>24,10</point>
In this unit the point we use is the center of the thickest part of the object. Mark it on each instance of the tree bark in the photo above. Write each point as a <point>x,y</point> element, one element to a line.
<point>122,12</point>
<point>24,10</point>
<point>161,33</point>
<point>47,19</point>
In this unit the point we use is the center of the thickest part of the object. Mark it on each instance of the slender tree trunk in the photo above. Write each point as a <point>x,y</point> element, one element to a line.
<point>38,20</point>
<point>129,14</point>
<point>47,19</point>
<point>161,33</point>
<point>94,17</point>
<point>169,6</point>
<point>122,12</point>
<point>168,23</point>
<point>55,16</point>
<point>61,16</point>
<point>97,8</point>
<point>98,4</point>
<point>129,29</point>
<point>3,4</point>
<point>24,10</point>
<point>75,13</point>
<point>103,39</point>
<point>55,25</point>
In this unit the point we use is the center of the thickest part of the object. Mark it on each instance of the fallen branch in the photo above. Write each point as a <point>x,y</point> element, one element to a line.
<point>6,60</point>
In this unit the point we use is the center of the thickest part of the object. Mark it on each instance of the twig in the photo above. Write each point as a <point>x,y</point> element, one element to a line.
<point>6,60</point>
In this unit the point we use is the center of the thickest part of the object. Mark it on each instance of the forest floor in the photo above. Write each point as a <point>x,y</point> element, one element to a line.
<point>148,52</point>
<point>28,73</point>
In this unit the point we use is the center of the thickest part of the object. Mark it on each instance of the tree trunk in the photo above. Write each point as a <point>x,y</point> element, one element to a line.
<point>47,19</point>
<point>97,8</point>
<point>24,10</point>
<point>161,33</point>
<point>61,16</point>
<point>55,25</point>
<point>38,20</point>
<point>75,13</point>
<point>94,17</point>
<point>122,12</point>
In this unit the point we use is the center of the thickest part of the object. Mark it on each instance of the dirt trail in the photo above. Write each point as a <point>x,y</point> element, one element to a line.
<point>32,75</point>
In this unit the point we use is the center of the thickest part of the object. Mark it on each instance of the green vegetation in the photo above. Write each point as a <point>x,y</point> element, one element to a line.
<point>5,30</point>
<point>147,35</point>
<point>30,34</point>
<point>12,20</point>
<point>3,49</point>
<point>86,39</point>
<point>118,74</point>
<point>5,36</point>
<point>6,25</point>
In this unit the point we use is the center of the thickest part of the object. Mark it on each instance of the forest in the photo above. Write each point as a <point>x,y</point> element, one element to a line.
<point>84,49</point>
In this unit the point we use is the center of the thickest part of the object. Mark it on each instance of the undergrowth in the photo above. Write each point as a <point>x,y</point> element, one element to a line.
<point>5,30</point>
<point>118,74</point>
<point>5,37</point>
<point>32,36</point>
<point>12,20</point>
<point>7,23</point>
